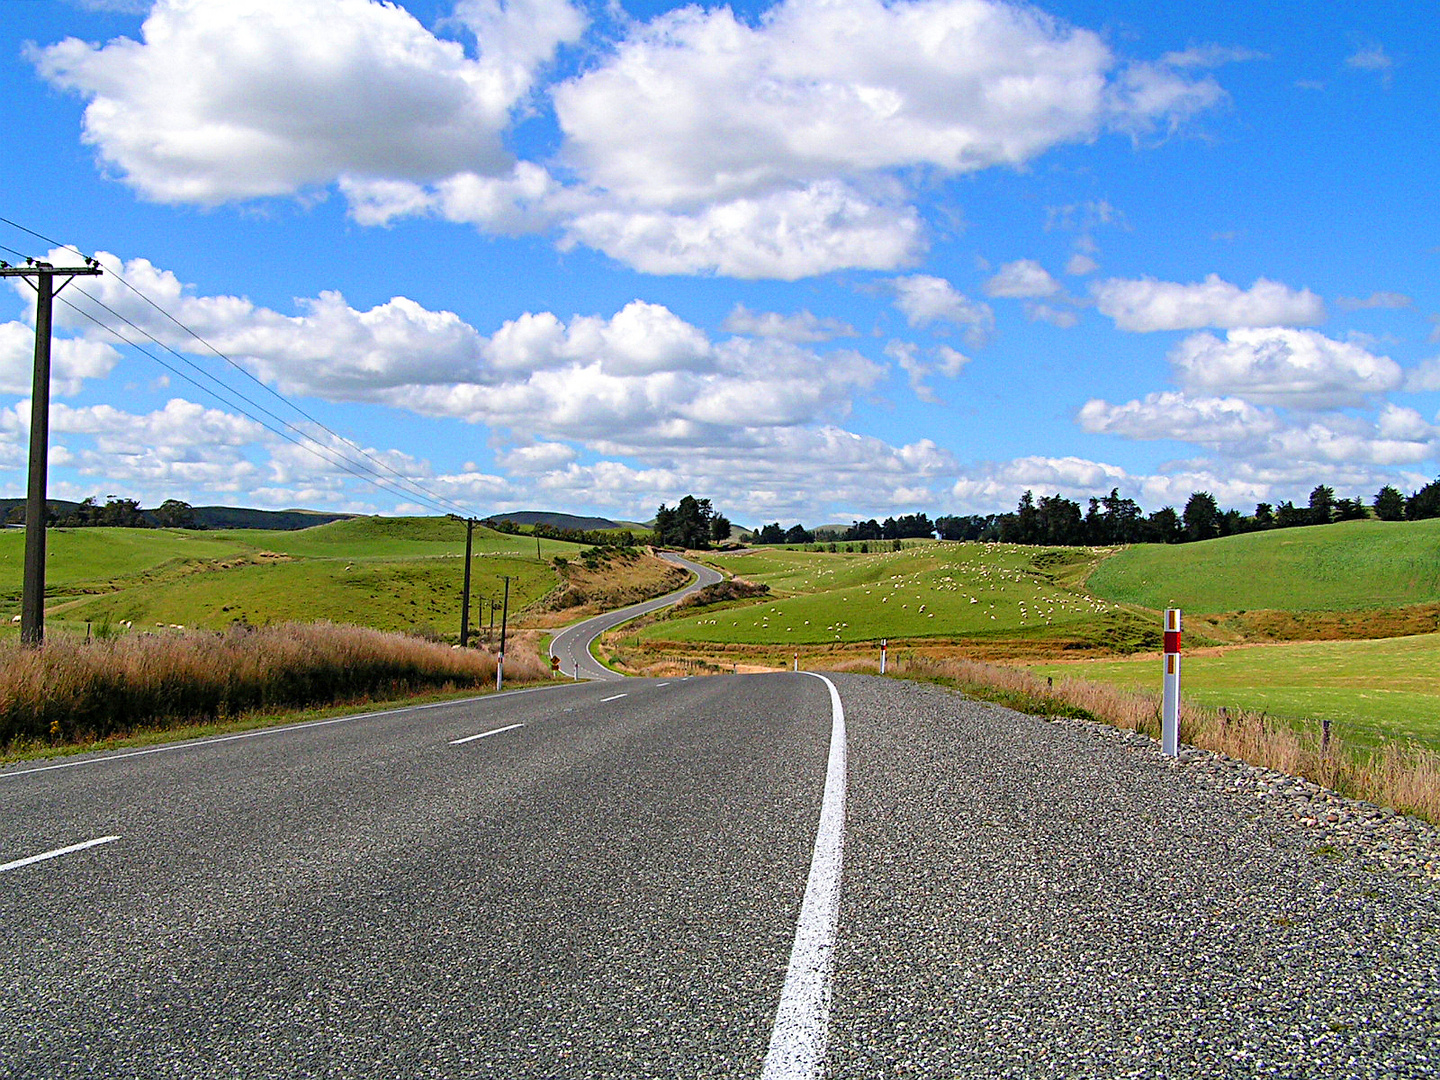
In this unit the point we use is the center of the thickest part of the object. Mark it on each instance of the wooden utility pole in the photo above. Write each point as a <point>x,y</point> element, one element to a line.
<point>470,524</point>
<point>32,596</point>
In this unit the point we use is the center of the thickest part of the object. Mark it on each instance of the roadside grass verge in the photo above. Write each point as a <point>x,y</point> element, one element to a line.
<point>150,735</point>
<point>1374,691</point>
<point>77,692</point>
<point>1403,776</point>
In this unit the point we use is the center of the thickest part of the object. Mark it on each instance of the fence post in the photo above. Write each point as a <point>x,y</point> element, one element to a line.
<point>1170,702</point>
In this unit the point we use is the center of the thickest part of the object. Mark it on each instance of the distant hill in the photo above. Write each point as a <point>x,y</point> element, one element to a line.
<point>238,517</point>
<point>216,517</point>
<point>559,521</point>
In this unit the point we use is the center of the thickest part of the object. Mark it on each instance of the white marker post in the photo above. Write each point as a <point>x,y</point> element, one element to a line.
<point>1170,701</point>
<point>882,656</point>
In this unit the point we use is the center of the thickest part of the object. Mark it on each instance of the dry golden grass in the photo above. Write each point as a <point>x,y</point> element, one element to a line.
<point>1405,778</point>
<point>74,691</point>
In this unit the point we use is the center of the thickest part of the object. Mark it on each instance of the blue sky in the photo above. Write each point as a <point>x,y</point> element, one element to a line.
<point>815,260</point>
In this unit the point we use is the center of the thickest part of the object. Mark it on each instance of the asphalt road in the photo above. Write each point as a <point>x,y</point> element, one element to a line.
<point>607,880</point>
<point>572,645</point>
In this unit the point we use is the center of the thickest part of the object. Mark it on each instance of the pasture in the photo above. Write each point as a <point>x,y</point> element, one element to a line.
<point>1343,567</point>
<point>924,592</point>
<point>386,573</point>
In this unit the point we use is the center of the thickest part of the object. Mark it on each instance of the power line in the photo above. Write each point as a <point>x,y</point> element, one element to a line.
<point>426,495</point>
<point>416,490</point>
<point>305,442</point>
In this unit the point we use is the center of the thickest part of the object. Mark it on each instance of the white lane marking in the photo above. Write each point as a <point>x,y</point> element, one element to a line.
<point>276,730</point>
<point>658,684</point>
<point>802,1022</point>
<point>484,734</point>
<point>617,697</point>
<point>57,853</point>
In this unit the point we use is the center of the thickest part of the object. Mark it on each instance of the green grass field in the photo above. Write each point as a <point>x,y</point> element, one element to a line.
<point>1371,689</point>
<point>926,591</point>
<point>1351,565</point>
<point>388,573</point>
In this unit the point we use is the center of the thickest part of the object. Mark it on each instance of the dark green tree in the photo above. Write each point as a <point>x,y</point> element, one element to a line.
<point>1350,509</point>
<point>1201,516</point>
<point>1288,515</point>
<point>1389,504</point>
<point>174,514</point>
<point>1163,527</point>
<point>1322,505</point>
<point>771,534</point>
<point>1425,503</point>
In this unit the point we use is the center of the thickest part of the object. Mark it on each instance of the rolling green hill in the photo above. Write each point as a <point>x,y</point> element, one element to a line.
<point>388,573</point>
<point>1347,566</point>
<point>928,591</point>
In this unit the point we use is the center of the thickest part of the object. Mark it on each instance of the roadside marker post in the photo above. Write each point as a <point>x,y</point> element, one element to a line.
<point>797,659</point>
<point>500,657</point>
<point>1170,698</point>
<point>882,656</point>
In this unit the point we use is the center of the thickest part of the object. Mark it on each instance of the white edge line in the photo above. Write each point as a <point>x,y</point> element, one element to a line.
<point>277,729</point>
<point>802,1021</point>
<point>617,697</point>
<point>57,853</point>
<point>483,734</point>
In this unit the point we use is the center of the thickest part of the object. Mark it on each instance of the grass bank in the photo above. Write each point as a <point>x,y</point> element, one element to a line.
<point>77,692</point>
<point>1373,691</point>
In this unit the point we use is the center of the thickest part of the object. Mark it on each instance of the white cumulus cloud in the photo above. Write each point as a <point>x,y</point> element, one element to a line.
<point>218,102</point>
<point>925,299</point>
<point>1279,366</point>
<point>1146,305</point>
<point>72,361</point>
<point>1171,415</point>
<point>1023,278</point>
<point>800,328</point>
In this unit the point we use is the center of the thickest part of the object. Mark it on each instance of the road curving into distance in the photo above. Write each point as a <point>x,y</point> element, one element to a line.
<point>572,645</point>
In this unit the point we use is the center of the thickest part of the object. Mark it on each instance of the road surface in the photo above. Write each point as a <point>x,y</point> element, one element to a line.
<point>572,645</point>
<point>613,880</point>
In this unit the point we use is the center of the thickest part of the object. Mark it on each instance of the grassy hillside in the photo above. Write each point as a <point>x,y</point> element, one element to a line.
<point>977,592</point>
<point>387,573</point>
<point>93,557</point>
<point>1348,566</point>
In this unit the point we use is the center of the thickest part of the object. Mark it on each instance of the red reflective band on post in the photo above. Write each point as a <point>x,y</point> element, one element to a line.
<point>1172,641</point>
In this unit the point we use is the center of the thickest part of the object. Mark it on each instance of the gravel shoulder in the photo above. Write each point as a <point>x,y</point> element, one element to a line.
<point>1025,897</point>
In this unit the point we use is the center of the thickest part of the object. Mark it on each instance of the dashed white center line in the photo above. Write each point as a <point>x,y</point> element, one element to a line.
<point>617,697</point>
<point>57,852</point>
<point>485,734</point>
<point>658,684</point>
